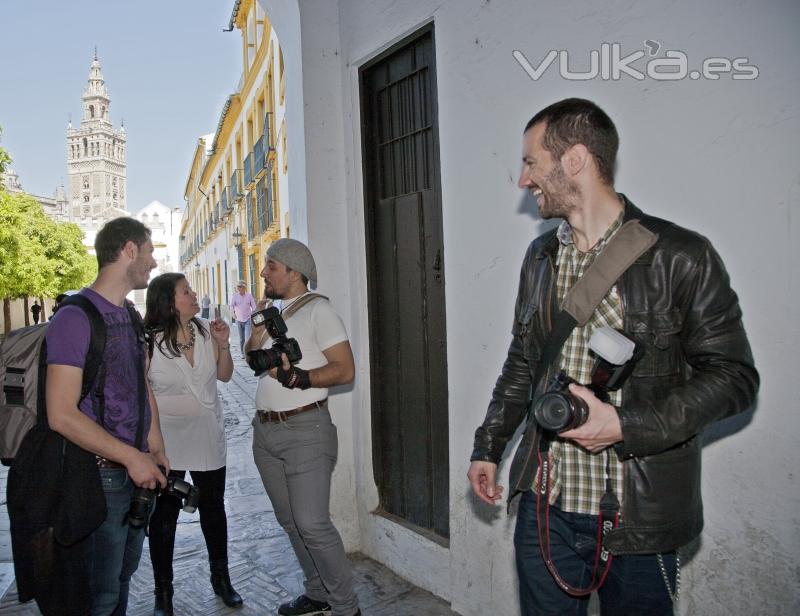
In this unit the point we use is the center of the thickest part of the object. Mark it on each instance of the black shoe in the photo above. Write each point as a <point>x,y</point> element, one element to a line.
<point>163,593</point>
<point>303,605</point>
<point>221,583</point>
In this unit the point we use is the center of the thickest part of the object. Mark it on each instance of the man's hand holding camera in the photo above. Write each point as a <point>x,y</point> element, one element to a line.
<point>291,377</point>
<point>603,427</point>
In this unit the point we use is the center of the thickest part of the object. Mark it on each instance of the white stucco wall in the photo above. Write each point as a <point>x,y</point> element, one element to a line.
<point>717,156</point>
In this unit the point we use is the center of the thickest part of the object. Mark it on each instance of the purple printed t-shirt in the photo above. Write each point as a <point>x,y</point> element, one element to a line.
<point>68,343</point>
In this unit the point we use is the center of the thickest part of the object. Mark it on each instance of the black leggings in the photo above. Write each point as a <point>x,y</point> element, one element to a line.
<point>213,521</point>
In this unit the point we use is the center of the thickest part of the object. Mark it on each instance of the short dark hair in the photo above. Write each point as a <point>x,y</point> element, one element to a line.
<point>111,239</point>
<point>577,120</point>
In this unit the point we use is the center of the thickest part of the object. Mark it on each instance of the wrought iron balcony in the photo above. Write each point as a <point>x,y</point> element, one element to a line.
<point>248,170</point>
<point>261,198</point>
<point>250,199</point>
<point>259,157</point>
<point>270,205</point>
<point>236,189</point>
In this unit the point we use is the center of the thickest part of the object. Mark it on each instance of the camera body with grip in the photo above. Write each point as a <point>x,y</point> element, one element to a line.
<point>262,360</point>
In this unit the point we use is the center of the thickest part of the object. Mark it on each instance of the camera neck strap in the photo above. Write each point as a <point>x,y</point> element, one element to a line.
<point>298,303</point>
<point>629,243</point>
<point>295,305</point>
<point>607,519</point>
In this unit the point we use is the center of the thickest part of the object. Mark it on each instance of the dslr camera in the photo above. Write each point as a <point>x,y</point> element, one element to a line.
<point>557,410</point>
<point>261,360</point>
<point>142,499</point>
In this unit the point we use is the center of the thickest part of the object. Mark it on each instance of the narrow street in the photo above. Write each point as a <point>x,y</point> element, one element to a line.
<point>263,568</point>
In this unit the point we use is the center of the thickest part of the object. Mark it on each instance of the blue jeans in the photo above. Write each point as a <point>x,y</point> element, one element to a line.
<point>634,585</point>
<point>114,548</point>
<point>244,332</point>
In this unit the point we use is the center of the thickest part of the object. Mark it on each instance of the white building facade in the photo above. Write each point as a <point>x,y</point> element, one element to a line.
<point>710,147</point>
<point>165,229</point>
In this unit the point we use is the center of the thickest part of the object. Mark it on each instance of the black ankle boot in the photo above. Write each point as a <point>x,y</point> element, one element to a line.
<point>163,593</point>
<point>221,583</point>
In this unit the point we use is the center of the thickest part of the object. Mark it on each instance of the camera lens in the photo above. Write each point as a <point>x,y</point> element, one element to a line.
<point>262,360</point>
<point>141,502</point>
<point>557,411</point>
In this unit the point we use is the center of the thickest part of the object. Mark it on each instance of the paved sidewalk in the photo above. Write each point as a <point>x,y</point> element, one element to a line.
<point>263,567</point>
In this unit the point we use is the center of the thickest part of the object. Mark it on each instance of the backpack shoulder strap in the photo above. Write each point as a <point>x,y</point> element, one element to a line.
<point>97,340</point>
<point>138,326</point>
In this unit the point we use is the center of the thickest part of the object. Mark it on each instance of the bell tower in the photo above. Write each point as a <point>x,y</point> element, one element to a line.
<point>96,159</point>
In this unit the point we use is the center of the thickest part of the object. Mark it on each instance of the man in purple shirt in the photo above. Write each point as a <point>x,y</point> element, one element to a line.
<point>125,259</point>
<point>242,306</point>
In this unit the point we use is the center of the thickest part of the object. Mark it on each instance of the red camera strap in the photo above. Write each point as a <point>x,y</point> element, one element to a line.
<point>608,519</point>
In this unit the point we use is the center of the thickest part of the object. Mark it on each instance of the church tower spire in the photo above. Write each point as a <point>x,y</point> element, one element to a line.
<point>95,96</point>
<point>96,159</point>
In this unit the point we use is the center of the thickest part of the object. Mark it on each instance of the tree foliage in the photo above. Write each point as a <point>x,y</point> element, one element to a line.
<point>5,158</point>
<point>38,256</point>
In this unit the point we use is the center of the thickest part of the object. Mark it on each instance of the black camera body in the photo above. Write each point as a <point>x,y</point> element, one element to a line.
<point>261,360</point>
<point>558,410</point>
<point>142,499</point>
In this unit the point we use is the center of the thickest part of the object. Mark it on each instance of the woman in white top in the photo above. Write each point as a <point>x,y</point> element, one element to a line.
<point>189,356</point>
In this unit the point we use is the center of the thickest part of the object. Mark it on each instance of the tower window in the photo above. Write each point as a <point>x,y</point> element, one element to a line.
<point>85,147</point>
<point>91,111</point>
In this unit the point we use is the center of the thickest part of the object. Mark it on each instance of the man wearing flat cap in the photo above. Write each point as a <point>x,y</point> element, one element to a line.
<point>294,441</point>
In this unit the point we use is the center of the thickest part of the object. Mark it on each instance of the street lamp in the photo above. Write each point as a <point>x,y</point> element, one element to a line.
<point>236,234</point>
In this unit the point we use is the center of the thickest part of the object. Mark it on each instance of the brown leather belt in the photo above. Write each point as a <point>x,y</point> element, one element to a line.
<point>275,416</point>
<point>106,463</point>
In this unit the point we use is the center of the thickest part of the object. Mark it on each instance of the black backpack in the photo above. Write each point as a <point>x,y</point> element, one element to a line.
<point>23,370</point>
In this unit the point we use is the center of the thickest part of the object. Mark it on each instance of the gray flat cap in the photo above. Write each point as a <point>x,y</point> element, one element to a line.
<point>294,255</point>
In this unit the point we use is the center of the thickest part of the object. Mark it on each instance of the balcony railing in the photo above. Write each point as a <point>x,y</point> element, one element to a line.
<point>261,198</point>
<point>270,201</point>
<point>259,159</point>
<point>267,130</point>
<point>250,215</point>
<point>236,189</point>
<point>248,170</point>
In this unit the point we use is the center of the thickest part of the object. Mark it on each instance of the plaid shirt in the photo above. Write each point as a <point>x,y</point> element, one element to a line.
<point>579,476</point>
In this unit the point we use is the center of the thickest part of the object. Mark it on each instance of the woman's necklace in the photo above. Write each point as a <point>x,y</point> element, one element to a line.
<point>190,344</point>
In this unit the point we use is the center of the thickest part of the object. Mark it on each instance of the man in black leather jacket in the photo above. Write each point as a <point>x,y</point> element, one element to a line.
<point>676,303</point>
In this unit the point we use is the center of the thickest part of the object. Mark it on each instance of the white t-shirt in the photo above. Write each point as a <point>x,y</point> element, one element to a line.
<point>316,327</point>
<point>189,409</point>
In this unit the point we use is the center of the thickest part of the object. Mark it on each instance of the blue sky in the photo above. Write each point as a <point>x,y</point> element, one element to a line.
<point>168,68</point>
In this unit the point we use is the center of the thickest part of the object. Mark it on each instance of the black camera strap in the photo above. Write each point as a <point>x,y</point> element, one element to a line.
<point>630,242</point>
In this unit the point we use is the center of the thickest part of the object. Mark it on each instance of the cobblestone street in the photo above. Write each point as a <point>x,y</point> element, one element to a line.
<point>263,568</point>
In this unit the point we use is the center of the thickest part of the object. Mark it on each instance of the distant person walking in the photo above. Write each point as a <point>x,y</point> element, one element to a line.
<point>242,306</point>
<point>35,310</point>
<point>205,305</point>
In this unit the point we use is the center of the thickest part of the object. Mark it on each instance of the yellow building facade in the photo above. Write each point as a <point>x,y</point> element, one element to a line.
<point>236,190</point>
